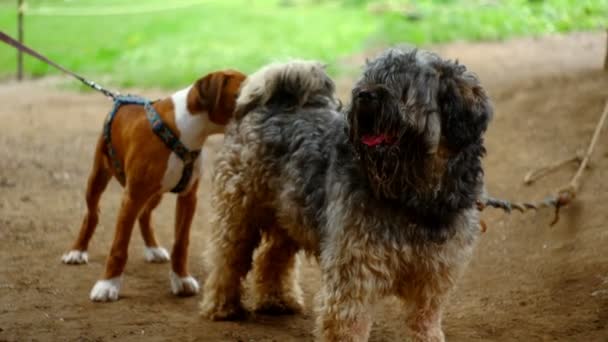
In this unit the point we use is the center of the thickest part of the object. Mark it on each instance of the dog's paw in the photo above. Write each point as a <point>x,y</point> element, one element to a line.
<point>215,307</point>
<point>75,257</point>
<point>278,306</point>
<point>156,255</point>
<point>183,286</point>
<point>225,312</point>
<point>106,290</point>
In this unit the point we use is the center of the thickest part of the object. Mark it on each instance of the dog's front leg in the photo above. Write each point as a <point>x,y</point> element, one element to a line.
<point>107,289</point>
<point>344,314</point>
<point>182,284</point>
<point>424,306</point>
<point>424,322</point>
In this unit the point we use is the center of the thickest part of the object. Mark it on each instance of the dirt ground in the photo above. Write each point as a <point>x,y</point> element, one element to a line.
<point>527,282</point>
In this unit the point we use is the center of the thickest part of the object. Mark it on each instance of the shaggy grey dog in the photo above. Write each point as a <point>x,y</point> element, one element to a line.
<point>383,197</point>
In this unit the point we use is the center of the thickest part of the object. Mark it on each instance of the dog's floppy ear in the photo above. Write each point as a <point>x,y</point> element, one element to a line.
<point>464,105</point>
<point>216,94</point>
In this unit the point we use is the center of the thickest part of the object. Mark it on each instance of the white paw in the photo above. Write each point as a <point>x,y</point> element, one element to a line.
<point>156,255</point>
<point>75,257</point>
<point>106,290</point>
<point>186,286</point>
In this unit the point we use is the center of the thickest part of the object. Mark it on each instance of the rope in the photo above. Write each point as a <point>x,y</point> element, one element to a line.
<point>533,175</point>
<point>564,195</point>
<point>109,10</point>
<point>551,201</point>
<point>574,183</point>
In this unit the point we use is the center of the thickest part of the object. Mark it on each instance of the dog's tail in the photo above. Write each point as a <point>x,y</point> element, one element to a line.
<point>289,86</point>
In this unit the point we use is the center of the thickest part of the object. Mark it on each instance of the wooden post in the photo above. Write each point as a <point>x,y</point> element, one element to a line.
<point>606,56</point>
<point>20,9</point>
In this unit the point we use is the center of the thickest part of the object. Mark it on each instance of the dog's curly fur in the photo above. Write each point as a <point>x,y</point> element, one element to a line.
<point>395,218</point>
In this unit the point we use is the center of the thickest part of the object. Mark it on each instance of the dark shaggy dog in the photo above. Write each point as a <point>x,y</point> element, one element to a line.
<point>384,197</point>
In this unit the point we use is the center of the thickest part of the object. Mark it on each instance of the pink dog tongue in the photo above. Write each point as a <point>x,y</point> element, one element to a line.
<point>374,140</point>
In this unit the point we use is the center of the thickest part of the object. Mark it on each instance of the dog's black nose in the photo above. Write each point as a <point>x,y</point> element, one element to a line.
<point>367,95</point>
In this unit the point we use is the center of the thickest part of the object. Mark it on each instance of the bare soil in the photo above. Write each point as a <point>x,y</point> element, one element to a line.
<point>527,281</point>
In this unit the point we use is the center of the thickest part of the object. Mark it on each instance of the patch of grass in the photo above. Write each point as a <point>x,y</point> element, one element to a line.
<point>172,48</point>
<point>490,20</point>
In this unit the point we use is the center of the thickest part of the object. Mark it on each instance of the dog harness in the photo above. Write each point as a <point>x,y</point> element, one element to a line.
<point>162,131</point>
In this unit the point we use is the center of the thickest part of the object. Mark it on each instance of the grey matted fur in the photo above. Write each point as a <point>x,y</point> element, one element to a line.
<point>294,84</point>
<point>382,195</point>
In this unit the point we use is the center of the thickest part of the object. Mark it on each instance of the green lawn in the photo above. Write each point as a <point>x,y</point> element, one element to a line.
<point>171,48</point>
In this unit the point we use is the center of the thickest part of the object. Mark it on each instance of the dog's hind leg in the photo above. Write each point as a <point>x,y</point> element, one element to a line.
<point>234,236</point>
<point>182,283</point>
<point>275,275</point>
<point>152,252</point>
<point>98,181</point>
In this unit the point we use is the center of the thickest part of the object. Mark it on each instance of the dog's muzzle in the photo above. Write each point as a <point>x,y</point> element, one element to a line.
<point>366,96</point>
<point>368,108</point>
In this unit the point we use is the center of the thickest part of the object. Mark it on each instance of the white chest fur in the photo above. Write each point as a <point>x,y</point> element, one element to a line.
<point>193,130</point>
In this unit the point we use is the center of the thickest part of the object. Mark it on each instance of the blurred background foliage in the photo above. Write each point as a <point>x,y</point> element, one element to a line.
<point>170,43</point>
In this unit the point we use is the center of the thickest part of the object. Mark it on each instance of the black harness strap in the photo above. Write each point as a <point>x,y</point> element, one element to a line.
<point>107,132</point>
<point>161,130</point>
<point>174,144</point>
